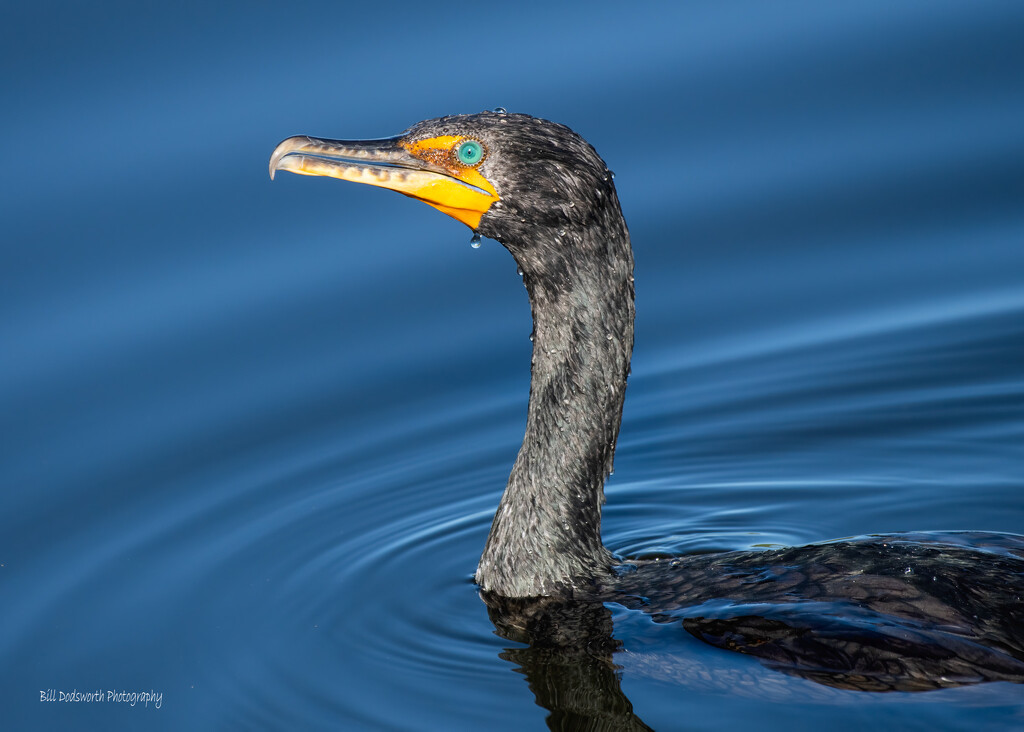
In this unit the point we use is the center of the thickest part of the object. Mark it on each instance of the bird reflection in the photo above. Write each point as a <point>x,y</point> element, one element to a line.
<point>567,660</point>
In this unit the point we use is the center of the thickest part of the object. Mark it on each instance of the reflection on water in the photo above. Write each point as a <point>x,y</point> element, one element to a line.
<point>253,434</point>
<point>568,661</point>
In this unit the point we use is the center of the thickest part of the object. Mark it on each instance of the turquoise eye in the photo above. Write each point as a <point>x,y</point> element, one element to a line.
<point>470,152</point>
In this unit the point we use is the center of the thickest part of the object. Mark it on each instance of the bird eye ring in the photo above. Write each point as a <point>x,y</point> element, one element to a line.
<point>469,152</point>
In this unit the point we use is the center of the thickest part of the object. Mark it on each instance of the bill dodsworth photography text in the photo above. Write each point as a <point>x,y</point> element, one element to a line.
<point>113,696</point>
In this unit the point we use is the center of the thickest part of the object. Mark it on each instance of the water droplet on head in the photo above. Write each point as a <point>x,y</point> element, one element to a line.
<point>475,241</point>
<point>500,110</point>
<point>609,336</point>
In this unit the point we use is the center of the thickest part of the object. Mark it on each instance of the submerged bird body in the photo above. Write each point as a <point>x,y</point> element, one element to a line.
<point>951,605</point>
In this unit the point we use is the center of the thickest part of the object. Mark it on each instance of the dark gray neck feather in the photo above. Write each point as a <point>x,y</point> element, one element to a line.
<point>546,535</point>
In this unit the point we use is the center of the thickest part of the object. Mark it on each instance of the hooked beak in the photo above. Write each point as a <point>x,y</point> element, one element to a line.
<point>463,194</point>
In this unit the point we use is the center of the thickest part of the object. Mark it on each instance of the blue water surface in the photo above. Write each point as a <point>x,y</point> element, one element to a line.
<point>252,434</point>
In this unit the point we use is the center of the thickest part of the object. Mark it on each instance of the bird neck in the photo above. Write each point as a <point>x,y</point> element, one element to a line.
<point>546,535</point>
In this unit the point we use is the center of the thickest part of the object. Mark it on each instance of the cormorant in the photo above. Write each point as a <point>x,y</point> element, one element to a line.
<point>907,611</point>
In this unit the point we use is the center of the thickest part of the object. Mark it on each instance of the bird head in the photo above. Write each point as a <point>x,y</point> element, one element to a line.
<point>510,177</point>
